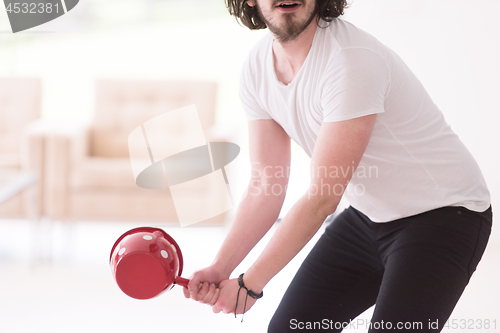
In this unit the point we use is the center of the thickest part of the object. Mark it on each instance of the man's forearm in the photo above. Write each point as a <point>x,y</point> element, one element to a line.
<point>293,233</point>
<point>255,216</point>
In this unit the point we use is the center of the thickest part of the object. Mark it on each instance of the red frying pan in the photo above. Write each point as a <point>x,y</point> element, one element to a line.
<point>146,262</point>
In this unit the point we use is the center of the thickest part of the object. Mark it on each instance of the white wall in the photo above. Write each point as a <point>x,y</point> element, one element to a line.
<point>451,45</point>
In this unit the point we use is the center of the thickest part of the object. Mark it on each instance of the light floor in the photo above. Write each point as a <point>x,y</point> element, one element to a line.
<point>75,292</point>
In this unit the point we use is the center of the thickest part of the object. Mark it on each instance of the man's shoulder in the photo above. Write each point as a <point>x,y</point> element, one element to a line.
<point>255,61</point>
<point>349,36</point>
<point>263,43</point>
<point>259,50</point>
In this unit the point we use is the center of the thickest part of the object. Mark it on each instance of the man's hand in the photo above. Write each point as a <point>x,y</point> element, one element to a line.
<point>227,298</point>
<point>203,285</point>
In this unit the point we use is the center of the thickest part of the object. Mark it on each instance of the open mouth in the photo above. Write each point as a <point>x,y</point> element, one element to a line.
<point>288,5</point>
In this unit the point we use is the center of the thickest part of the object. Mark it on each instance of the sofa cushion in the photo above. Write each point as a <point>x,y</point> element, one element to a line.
<point>102,173</point>
<point>122,105</point>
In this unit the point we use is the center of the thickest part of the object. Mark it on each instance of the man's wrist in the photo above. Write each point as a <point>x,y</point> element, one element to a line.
<point>250,292</point>
<point>222,267</point>
<point>254,282</point>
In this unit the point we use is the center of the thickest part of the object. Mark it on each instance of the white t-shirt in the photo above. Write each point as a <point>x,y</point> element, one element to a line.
<point>413,163</point>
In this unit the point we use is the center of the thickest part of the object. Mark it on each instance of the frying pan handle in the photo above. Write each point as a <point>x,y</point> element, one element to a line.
<point>182,282</point>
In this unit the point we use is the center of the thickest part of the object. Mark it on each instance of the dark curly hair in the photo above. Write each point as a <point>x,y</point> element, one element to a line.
<point>249,16</point>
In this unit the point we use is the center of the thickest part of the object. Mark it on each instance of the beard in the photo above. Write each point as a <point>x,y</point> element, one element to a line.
<point>292,27</point>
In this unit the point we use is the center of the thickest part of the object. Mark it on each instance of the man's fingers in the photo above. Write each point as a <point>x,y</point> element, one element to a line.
<point>209,295</point>
<point>215,297</point>
<point>193,287</point>
<point>221,306</point>
<point>187,294</point>
<point>202,292</point>
<point>216,309</point>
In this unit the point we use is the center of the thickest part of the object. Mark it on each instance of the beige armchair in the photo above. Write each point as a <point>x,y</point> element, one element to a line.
<point>21,148</point>
<point>89,172</point>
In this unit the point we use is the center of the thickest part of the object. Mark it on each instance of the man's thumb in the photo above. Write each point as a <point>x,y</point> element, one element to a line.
<point>193,285</point>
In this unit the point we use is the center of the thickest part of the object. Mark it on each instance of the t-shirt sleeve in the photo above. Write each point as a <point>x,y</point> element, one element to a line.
<point>248,93</point>
<point>355,85</point>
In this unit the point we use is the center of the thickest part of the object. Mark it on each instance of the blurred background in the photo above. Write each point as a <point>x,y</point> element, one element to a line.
<point>72,89</point>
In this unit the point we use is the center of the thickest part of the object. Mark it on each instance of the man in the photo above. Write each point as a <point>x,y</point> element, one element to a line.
<point>420,214</point>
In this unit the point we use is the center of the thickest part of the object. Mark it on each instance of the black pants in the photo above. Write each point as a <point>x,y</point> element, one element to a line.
<point>414,269</point>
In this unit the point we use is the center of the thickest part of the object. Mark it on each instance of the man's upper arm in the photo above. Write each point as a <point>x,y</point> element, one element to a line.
<point>356,85</point>
<point>269,152</point>
<point>337,153</point>
<point>248,92</point>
